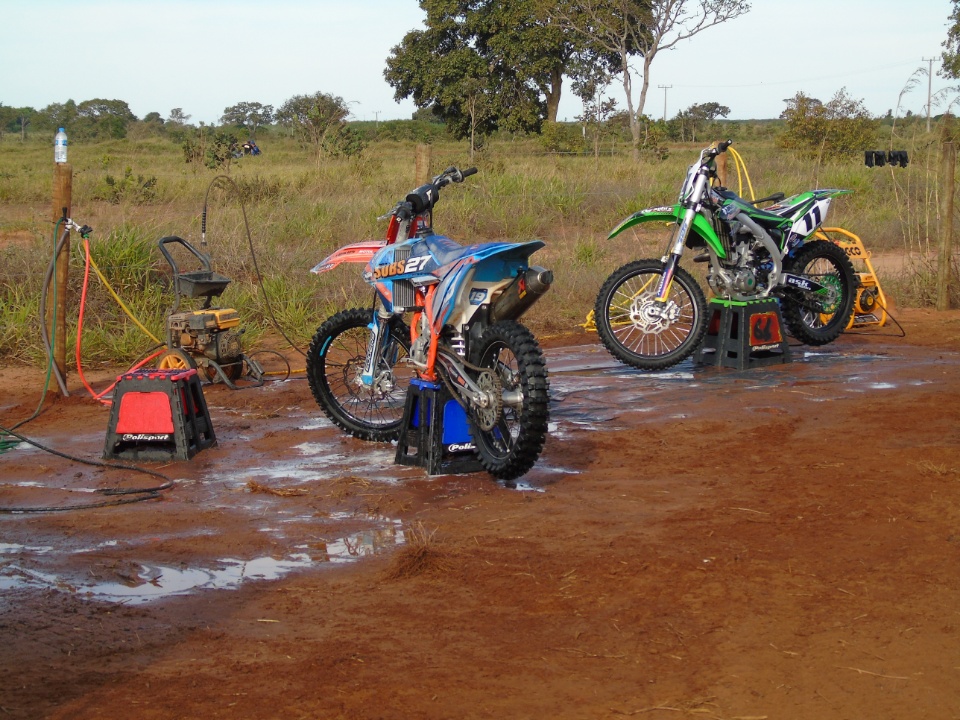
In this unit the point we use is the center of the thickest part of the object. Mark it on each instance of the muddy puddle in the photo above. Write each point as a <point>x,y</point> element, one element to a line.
<point>286,492</point>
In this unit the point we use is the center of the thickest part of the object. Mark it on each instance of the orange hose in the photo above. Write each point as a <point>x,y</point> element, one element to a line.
<point>83,303</point>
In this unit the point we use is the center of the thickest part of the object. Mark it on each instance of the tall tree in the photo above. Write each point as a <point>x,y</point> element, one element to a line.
<point>592,88</point>
<point>177,117</point>
<point>630,28</point>
<point>951,53</point>
<point>701,114</point>
<point>104,118</point>
<point>839,128</point>
<point>23,119</point>
<point>15,120</point>
<point>248,115</point>
<point>314,119</point>
<point>6,118</point>
<point>483,64</point>
<point>57,115</point>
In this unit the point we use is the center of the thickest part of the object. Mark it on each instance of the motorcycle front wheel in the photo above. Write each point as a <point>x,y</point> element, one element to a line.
<point>644,333</point>
<point>818,317</point>
<point>509,435</point>
<point>335,362</point>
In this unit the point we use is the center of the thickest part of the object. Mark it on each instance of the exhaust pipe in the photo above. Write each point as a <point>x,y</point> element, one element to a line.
<point>521,294</point>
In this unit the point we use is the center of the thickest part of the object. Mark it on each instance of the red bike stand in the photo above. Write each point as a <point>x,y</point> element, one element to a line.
<point>158,415</point>
<point>744,335</point>
<point>434,433</point>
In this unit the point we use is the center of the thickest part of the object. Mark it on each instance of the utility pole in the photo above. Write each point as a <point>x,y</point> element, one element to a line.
<point>929,88</point>
<point>665,88</point>
<point>948,165</point>
<point>62,200</point>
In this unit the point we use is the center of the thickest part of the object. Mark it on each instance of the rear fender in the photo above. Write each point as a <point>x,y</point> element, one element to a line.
<point>361,252</point>
<point>494,265</point>
<point>505,250</point>
<point>673,216</point>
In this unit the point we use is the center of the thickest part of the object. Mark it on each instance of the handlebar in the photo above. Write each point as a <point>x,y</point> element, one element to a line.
<point>721,147</point>
<point>423,198</point>
<point>453,174</point>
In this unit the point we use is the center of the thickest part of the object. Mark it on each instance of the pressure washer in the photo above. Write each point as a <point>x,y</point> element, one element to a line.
<point>207,338</point>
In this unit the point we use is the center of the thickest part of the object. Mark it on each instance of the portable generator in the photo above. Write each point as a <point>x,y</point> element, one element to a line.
<point>207,339</point>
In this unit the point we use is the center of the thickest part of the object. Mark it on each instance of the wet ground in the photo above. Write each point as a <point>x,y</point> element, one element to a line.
<point>774,542</point>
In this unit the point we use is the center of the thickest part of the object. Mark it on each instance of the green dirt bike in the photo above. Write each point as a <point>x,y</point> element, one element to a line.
<point>652,314</point>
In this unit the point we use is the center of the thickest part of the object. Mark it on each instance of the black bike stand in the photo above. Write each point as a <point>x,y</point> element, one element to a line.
<point>744,335</point>
<point>434,432</point>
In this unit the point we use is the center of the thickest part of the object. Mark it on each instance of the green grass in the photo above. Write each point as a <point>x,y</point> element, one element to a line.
<point>298,213</point>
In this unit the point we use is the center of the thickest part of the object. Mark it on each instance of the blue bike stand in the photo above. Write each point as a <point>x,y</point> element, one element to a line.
<point>744,335</point>
<point>434,433</point>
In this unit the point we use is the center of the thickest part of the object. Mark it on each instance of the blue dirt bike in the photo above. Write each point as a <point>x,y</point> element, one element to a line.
<point>464,305</point>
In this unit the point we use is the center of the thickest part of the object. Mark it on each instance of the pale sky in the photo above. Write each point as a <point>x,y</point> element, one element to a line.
<point>205,55</point>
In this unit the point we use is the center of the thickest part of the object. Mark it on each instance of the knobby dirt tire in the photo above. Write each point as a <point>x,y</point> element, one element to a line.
<point>808,318</point>
<point>637,339</point>
<point>513,445</point>
<point>334,363</point>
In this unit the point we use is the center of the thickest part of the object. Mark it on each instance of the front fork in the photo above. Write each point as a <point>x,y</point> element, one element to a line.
<point>379,334</point>
<point>672,259</point>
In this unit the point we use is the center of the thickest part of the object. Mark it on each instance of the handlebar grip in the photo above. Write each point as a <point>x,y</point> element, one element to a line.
<point>468,172</point>
<point>404,211</point>
<point>722,147</point>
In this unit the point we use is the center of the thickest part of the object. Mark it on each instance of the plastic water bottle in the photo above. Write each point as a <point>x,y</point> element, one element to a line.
<point>60,146</point>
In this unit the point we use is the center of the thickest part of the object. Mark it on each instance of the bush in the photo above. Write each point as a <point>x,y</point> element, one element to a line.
<point>562,138</point>
<point>841,128</point>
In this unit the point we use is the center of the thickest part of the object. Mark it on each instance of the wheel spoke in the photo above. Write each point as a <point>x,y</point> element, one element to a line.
<point>371,410</point>
<point>516,433</point>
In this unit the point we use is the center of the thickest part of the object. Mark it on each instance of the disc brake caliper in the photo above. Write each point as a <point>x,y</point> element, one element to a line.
<point>653,316</point>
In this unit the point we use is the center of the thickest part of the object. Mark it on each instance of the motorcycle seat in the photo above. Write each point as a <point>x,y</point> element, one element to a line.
<point>443,249</point>
<point>765,216</point>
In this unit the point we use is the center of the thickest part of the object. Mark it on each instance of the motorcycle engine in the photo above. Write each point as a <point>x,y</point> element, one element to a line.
<point>745,280</point>
<point>745,268</point>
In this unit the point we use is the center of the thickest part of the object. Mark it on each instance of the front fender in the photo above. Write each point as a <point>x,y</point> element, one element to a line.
<point>356,253</point>
<point>673,216</point>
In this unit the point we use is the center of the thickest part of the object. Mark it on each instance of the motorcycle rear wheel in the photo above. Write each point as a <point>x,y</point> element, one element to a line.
<point>515,439</point>
<point>334,363</point>
<point>818,318</point>
<point>633,329</point>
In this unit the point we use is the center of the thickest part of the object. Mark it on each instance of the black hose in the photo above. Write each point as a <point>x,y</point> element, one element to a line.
<point>43,312</point>
<point>253,255</point>
<point>903,333</point>
<point>148,493</point>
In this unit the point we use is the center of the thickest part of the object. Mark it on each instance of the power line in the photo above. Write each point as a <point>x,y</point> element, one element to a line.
<point>803,80</point>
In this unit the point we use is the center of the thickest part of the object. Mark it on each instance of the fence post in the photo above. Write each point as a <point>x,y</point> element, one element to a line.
<point>422,165</point>
<point>62,198</point>
<point>722,168</point>
<point>948,163</point>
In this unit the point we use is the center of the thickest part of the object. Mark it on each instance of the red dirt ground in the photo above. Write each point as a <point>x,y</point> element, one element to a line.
<point>781,542</point>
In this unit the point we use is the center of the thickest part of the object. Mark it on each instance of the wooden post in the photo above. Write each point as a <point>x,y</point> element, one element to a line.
<point>422,165</point>
<point>948,164</point>
<point>722,168</point>
<point>62,198</point>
